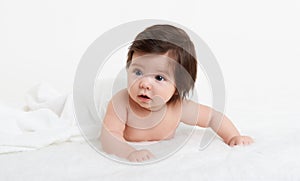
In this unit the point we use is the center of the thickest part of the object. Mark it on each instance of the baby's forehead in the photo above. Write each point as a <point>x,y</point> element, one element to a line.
<point>154,60</point>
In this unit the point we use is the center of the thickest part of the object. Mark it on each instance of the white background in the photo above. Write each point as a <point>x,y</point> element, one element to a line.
<point>257,44</point>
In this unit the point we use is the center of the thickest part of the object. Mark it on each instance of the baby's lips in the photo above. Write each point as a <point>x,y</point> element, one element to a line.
<point>145,96</point>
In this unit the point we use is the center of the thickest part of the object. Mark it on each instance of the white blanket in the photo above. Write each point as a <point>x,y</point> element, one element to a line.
<point>272,157</point>
<point>48,118</point>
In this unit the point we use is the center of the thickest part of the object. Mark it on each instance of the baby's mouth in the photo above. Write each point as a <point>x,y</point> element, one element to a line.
<point>144,98</point>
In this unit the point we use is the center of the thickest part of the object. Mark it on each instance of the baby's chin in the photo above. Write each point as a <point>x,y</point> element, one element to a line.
<point>154,105</point>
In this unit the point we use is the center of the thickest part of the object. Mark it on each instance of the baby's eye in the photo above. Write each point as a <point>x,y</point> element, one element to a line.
<point>159,78</point>
<point>138,72</point>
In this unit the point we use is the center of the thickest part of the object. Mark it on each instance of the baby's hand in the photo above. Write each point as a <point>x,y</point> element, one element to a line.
<point>240,140</point>
<point>140,155</point>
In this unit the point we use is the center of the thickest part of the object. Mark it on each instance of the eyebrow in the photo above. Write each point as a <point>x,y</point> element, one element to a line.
<point>135,64</point>
<point>164,73</point>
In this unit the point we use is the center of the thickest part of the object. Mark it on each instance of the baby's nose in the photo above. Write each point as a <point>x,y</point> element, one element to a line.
<point>146,83</point>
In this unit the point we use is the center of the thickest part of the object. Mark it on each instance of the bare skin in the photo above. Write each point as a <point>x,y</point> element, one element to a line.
<point>142,112</point>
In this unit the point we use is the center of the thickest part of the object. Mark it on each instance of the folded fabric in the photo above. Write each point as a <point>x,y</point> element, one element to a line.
<point>48,118</point>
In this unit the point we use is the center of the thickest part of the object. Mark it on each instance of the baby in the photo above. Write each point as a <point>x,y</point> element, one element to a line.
<point>161,71</point>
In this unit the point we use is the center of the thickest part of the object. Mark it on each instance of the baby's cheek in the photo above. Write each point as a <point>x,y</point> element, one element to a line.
<point>131,83</point>
<point>172,90</point>
<point>166,97</point>
<point>158,99</point>
<point>130,91</point>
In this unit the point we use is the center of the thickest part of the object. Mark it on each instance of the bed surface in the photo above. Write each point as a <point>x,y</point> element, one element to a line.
<point>65,155</point>
<point>270,158</point>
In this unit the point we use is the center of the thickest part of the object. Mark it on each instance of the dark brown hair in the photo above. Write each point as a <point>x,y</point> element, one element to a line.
<point>159,39</point>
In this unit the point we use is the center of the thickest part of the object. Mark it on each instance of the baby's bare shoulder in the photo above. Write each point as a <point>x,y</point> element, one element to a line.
<point>116,112</point>
<point>122,96</point>
<point>120,100</point>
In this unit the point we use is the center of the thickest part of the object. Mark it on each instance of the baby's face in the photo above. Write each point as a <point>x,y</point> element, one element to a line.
<point>151,80</point>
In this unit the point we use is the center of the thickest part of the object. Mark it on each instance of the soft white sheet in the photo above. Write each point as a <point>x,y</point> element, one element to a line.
<point>57,156</point>
<point>48,119</point>
<point>270,158</point>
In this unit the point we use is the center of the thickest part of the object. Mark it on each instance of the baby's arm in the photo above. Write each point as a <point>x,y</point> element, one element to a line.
<point>114,143</point>
<point>112,134</point>
<point>112,138</point>
<point>204,116</point>
<point>226,130</point>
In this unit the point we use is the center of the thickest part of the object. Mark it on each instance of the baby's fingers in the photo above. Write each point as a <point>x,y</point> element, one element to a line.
<point>232,143</point>
<point>140,156</point>
<point>150,155</point>
<point>248,140</point>
<point>240,140</point>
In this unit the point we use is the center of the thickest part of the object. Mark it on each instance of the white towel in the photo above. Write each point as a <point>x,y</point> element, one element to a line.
<point>48,118</point>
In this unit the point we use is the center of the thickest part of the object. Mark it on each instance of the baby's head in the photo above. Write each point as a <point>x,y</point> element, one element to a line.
<point>174,43</point>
